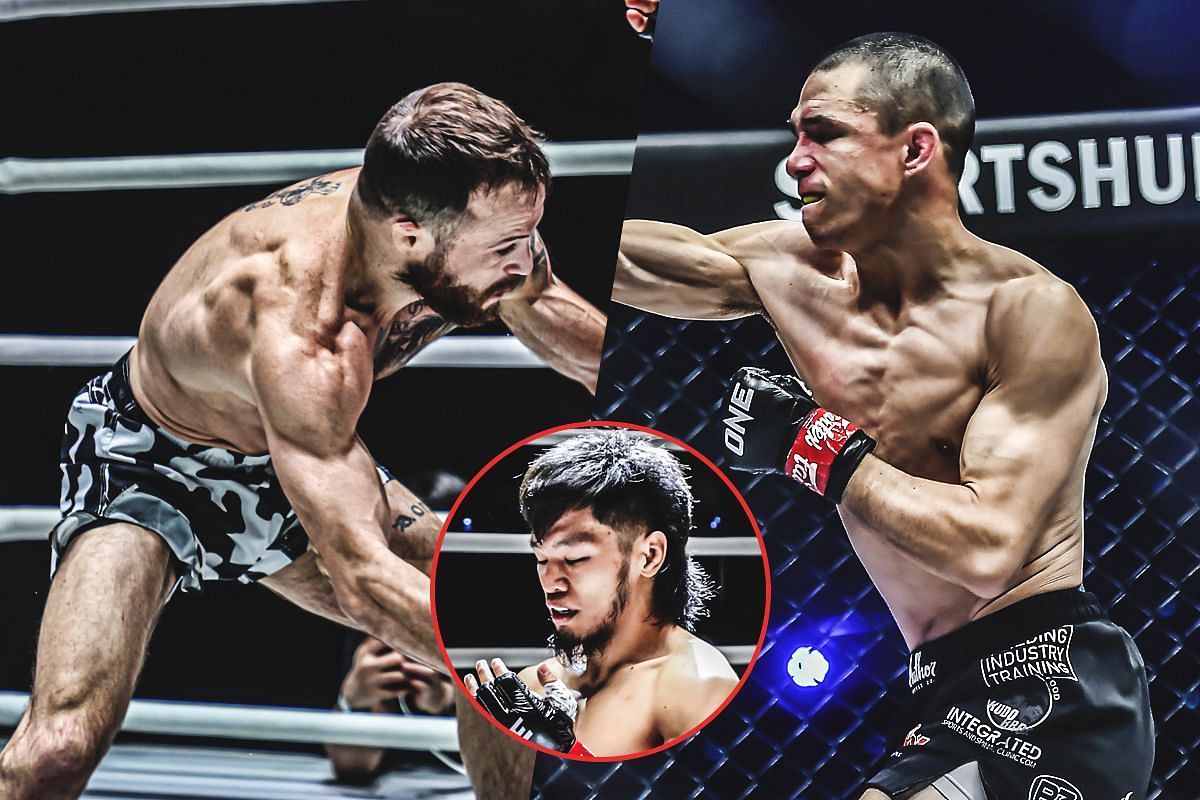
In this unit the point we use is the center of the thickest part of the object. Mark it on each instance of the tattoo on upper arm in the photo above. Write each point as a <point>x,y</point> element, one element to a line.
<point>294,194</point>
<point>414,329</point>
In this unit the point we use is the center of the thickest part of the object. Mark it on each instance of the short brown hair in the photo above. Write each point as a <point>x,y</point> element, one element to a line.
<point>912,80</point>
<point>440,144</point>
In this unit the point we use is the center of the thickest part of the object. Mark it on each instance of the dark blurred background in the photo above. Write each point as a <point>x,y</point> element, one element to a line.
<point>736,66</point>
<point>290,77</point>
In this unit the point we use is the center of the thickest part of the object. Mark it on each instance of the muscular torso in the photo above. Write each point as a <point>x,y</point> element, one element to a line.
<point>282,255</point>
<point>912,375</point>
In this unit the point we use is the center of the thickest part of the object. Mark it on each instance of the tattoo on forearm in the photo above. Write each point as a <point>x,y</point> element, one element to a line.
<point>415,328</point>
<point>294,194</point>
<point>404,522</point>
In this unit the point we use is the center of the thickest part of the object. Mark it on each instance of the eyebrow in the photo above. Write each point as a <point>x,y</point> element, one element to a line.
<point>819,119</point>
<point>574,537</point>
<point>514,238</point>
<point>810,119</point>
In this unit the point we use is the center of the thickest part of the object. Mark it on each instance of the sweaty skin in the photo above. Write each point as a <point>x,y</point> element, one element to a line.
<point>267,334</point>
<point>642,704</point>
<point>976,370</point>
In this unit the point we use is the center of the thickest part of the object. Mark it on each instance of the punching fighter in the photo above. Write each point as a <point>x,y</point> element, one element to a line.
<point>223,445</point>
<point>610,514</point>
<point>950,400</point>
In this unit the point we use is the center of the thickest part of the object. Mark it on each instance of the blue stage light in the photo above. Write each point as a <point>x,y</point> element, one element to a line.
<point>807,666</point>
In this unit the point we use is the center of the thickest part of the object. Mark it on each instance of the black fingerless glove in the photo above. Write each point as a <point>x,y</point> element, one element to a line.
<point>774,425</point>
<point>540,719</point>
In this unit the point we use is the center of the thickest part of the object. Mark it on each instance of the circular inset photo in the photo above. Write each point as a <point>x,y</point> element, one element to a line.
<point>600,590</point>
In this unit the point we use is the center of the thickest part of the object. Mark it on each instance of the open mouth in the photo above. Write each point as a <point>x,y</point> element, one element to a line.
<point>810,198</point>
<point>559,615</point>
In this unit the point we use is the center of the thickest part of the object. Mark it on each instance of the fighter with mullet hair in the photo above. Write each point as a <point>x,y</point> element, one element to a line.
<point>950,398</point>
<point>610,514</point>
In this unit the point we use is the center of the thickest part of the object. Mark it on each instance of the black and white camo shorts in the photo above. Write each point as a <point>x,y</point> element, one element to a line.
<point>222,513</point>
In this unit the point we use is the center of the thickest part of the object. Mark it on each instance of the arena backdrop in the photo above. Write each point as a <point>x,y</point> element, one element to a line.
<point>272,78</point>
<point>1107,201</point>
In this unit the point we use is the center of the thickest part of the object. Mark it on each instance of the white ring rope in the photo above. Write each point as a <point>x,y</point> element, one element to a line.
<point>21,175</point>
<point>518,543</point>
<point>520,657</point>
<point>273,724</point>
<point>264,723</point>
<point>477,351</point>
<point>11,10</point>
<point>33,524</point>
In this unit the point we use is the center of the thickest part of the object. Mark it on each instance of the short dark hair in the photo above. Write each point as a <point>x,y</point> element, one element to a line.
<point>912,80</point>
<point>634,486</point>
<point>440,144</point>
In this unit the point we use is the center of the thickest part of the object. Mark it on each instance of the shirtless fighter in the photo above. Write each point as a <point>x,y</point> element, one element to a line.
<point>956,387</point>
<point>223,446</point>
<point>610,514</point>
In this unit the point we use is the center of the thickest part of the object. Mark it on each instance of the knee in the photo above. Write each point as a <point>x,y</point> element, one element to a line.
<point>75,742</point>
<point>60,750</point>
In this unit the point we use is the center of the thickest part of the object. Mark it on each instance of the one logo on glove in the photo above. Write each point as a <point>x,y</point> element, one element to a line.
<point>739,405</point>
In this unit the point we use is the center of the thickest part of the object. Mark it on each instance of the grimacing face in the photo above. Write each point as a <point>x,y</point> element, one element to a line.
<point>486,259</point>
<point>584,575</point>
<point>847,171</point>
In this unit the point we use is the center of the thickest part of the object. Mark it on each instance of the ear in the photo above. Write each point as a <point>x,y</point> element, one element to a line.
<point>408,235</point>
<point>921,145</point>
<point>652,554</point>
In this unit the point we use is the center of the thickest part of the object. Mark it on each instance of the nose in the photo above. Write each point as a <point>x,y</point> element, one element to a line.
<point>553,580</point>
<point>521,262</point>
<point>800,163</point>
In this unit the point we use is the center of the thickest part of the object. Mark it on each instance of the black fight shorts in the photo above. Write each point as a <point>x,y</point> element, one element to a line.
<point>1043,700</point>
<point>222,513</point>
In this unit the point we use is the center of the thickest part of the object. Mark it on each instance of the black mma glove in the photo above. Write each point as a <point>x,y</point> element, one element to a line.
<point>548,721</point>
<point>774,425</point>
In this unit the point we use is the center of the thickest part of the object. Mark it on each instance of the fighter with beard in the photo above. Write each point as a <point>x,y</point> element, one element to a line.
<point>224,445</point>
<point>610,514</point>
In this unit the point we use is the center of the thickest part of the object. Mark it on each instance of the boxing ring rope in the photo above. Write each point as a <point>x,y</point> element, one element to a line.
<point>519,543</point>
<point>33,523</point>
<point>477,351</point>
<point>465,657</point>
<point>11,10</point>
<point>25,175</point>
<point>267,723</point>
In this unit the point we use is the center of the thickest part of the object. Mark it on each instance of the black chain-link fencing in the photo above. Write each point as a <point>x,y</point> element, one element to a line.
<point>1143,550</point>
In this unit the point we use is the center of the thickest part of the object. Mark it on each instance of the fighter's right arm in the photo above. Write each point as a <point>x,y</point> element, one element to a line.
<point>674,271</point>
<point>310,392</point>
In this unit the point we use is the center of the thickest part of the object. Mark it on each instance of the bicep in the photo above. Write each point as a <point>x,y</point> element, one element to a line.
<point>674,271</point>
<point>309,399</point>
<point>1034,426</point>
